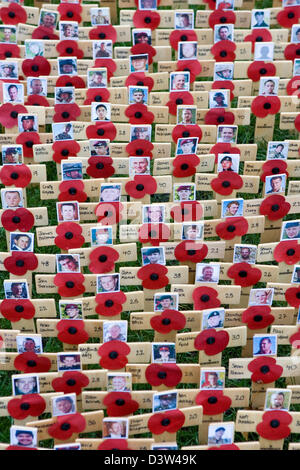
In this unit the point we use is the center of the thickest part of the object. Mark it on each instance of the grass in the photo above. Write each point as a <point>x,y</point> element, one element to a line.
<point>186,436</point>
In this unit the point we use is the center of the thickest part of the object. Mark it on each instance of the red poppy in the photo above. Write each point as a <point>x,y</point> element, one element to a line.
<point>218,116</point>
<point>295,340</point>
<point>109,64</point>
<point>153,276</point>
<point>65,426</point>
<point>293,87</point>
<point>140,147</point>
<point>223,51</point>
<point>66,80</point>
<point>19,219</point>
<point>18,263</point>
<point>120,404</point>
<point>41,32</point>
<point>244,274</point>
<point>15,310</point>
<point>113,444</point>
<point>70,382</point>
<point>28,405</point>
<point>205,298</point>
<point>258,317</point>
<point>140,186</point>
<point>214,402</point>
<point>104,32</point>
<point>258,35</point>
<point>20,448</point>
<point>273,167</point>
<point>221,17</point>
<point>192,66</point>
<point>72,191</point>
<point>69,48</point>
<point>262,106</point>
<point>138,49</point>
<point>223,148</point>
<point>30,362</point>
<point>211,4</point>
<point>167,321</point>
<point>109,213</point>
<point>292,52</point>
<point>105,130</point>
<point>287,251</point>
<point>113,354</point>
<point>13,14</point>
<point>265,370</point>
<point>288,16</point>
<point>258,69</point>
<point>146,19</point>
<point>169,375</point>
<point>232,227</point>
<point>70,12</point>
<point>139,79</point>
<point>63,150</point>
<point>187,211</point>
<point>169,421</point>
<point>178,97</point>
<point>184,131</point>
<point>292,296</point>
<point>69,284</point>
<point>27,140</point>
<point>69,236</point>
<point>274,207</point>
<point>224,85</point>
<point>103,259</point>
<point>211,341</point>
<point>36,67</point>
<point>100,167</point>
<point>9,114</point>
<point>297,123</point>
<point>274,425</point>
<point>190,250</point>
<point>15,175</point>
<point>177,36</point>
<point>36,100</point>
<point>154,234</point>
<point>66,112</point>
<point>185,165</point>
<point>97,95</point>
<point>224,447</point>
<point>138,114</point>
<point>226,183</point>
<point>110,304</point>
<point>72,331</point>
<point>9,50</point>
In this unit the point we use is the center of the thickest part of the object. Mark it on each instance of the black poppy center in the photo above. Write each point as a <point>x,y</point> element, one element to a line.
<point>162,375</point>
<point>291,15</point>
<point>100,166</point>
<point>29,144</point>
<point>20,263</point>
<point>120,402</point>
<point>184,37</point>
<point>223,19</point>
<point>152,234</point>
<point>65,152</point>
<point>102,258</point>
<point>259,39</point>
<point>72,330</point>
<point>70,14</point>
<point>191,252</point>
<point>72,191</point>
<point>275,170</point>
<point>65,114</point>
<point>165,422</point>
<point>31,363</point>
<point>69,235</point>
<point>69,284</point>
<point>109,303</point>
<point>226,184</point>
<point>185,134</point>
<point>35,68</point>
<point>25,406</point>
<point>223,54</point>
<point>147,19</point>
<point>69,50</point>
<point>230,228</point>
<point>265,369</point>
<point>212,400</point>
<point>100,131</point>
<point>139,152</point>
<point>71,382</point>
<point>275,208</point>
<point>290,252</point>
<point>257,318</point>
<point>16,219</point>
<point>11,14</point>
<point>184,166</point>
<point>138,115</point>
<point>263,71</point>
<point>98,98</point>
<point>14,176</point>
<point>274,423</point>
<point>19,308</point>
<point>211,340</point>
<point>166,321</point>
<point>69,84</point>
<point>221,119</point>
<point>102,36</point>
<point>298,295</point>
<point>113,355</point>
<point>65,427</point>
<point>14,114</point>
<point>46,37</point>
<point>8,54</point>
<point>184,211</point>
<point>108,213</point>
<point>298,51</point>
<point>179,101</point>
<point>243,273</point>
<point>267,105</point>
<point>154,277</point>
<point>140,83</point>
<point>139,187</point>
<point>204,298</point>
